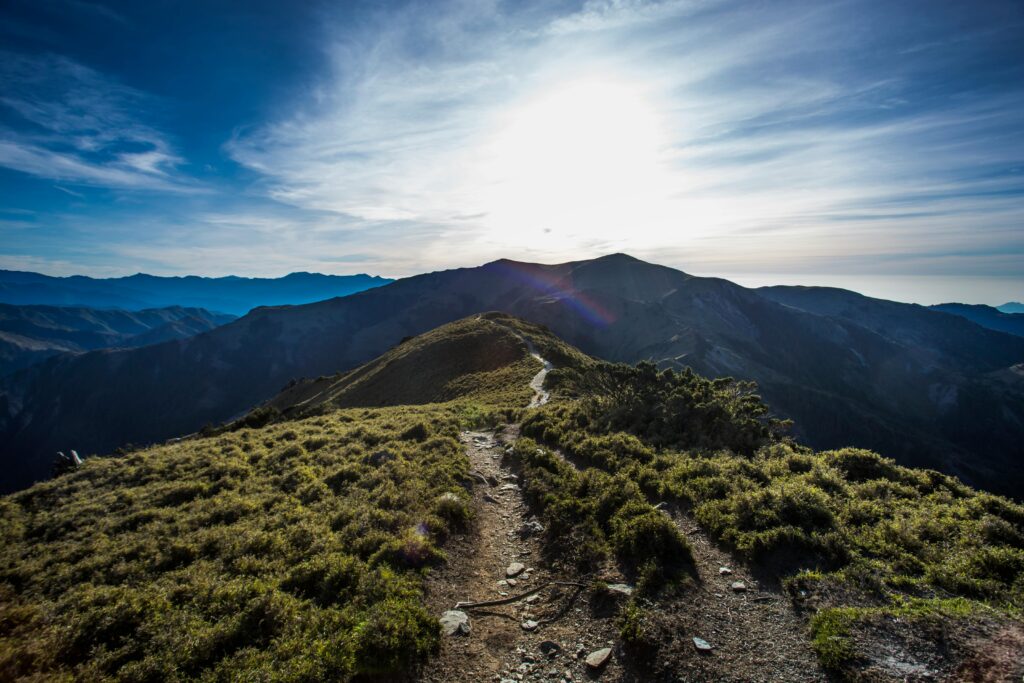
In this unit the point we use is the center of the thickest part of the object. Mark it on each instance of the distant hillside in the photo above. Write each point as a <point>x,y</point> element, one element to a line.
<point>928,388</point>
<point>986,316</point>
<point>1012,307</point>
<point>29,334</point>
<point>477,358</point>
<point>235,295</point>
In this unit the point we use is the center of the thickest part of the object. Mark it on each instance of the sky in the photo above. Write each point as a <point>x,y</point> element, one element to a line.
<point>877,146</point>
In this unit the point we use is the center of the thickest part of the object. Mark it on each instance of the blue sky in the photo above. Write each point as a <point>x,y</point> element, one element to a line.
<point>872,145</point>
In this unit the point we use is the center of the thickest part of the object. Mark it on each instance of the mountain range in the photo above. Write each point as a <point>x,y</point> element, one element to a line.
<point>986,316</point>
<point>30,334</point>
<point>926,387</point>
<point>234,295</point>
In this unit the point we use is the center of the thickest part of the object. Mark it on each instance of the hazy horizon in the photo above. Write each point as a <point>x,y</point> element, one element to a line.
<point>922,290</point>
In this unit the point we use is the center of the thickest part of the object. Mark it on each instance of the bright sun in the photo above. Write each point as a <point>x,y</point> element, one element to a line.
<point>583,162</point>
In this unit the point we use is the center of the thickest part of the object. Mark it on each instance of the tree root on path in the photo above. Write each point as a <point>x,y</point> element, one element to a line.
<point>492,613</point>
<point>516,598</point>
<point>565,608</point>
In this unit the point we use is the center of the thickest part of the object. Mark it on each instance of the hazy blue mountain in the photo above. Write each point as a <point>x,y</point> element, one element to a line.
<point>29,334</point>
<point>925,387</point>
<point>1012,307</point>
<point>235,295</point>
<point>986,316</point>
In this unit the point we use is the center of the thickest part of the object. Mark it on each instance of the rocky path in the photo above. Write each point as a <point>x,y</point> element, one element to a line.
<point>499,558</point>
<point>753,630</point>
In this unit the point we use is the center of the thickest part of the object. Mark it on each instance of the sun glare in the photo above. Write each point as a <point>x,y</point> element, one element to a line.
<point>581,162</point>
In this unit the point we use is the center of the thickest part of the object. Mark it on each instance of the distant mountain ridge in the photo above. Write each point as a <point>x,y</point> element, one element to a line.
<point>231,294</point>
<point>928,388</point>
<point>986,316</point>
<point>30,334</point>
<point>1012,307</point>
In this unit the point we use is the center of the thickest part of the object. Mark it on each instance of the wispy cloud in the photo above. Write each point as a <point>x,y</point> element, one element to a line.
<point>797,133</point>
<point>64,121</point>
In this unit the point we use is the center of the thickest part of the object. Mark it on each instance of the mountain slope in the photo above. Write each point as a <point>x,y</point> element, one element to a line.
<point>477,358</point>
<point>29,334</point>
<point>986,316</point>
<point>935,392</point>
<point>334,544</point>
<point>235,295</point>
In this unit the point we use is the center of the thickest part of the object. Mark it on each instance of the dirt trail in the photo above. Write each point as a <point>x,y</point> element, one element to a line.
<point>540,397</point>
<point>497,647</point>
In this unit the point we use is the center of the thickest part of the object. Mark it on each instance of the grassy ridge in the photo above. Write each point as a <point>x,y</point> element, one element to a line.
<point>483,358</point>
<point>291,552</point>
<point>289,545</point>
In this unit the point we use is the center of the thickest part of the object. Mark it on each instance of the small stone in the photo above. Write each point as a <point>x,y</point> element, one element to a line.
<point>533,599</point>
<point>598,658</point>
<point>529,625</point>
<point>455,623</point>
<point>488,498</point>
<point>738,586</point>
<point>620,588</point>
<point>550,648</point>
<point>702,645</point>
<point>509,477</point>
<point>512,582</point>
<point>509,487</point>
<point>531,528</point>
<point>724,571</point>
<point>515,569</point>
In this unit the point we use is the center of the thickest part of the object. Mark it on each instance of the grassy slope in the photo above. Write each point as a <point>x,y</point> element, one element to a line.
<point>481,358</point>
<point>293,551</point>
<point>873,539</point>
